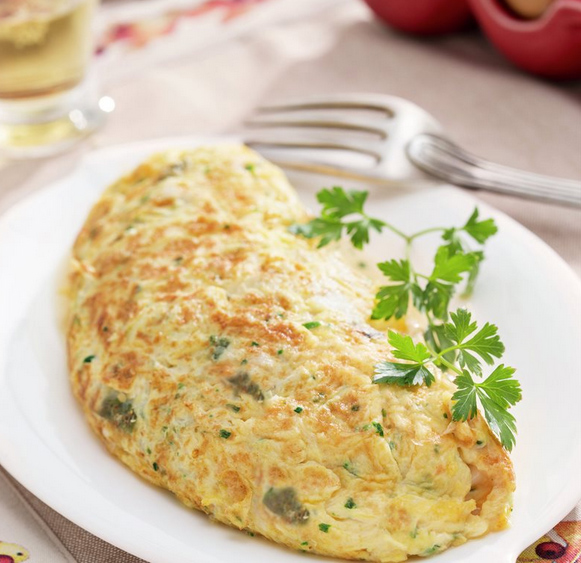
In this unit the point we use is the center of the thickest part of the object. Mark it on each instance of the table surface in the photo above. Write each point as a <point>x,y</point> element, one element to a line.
<point>484,103</point>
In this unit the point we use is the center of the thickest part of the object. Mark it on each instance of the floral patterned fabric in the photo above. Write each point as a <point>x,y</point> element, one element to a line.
<point>561,545</point>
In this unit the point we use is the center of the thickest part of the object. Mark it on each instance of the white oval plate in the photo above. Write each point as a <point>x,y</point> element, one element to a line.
<point>45,443</point>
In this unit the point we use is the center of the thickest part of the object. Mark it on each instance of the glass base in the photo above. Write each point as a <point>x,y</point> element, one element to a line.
<point>38,128</point>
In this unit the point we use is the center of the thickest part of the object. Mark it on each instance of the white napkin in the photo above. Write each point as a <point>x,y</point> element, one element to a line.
<point>135,35</point>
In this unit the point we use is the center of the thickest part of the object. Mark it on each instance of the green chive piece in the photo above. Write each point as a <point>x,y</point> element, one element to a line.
<point>378,428</point>
<point>225,434</point>
<point>350,503</point>
<point>431,550</point>
<point>348,466</point>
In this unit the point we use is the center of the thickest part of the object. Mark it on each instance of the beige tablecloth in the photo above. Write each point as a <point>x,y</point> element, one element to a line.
<point>485,104</point>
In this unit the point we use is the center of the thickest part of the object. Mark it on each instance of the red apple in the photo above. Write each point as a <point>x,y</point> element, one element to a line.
<point>425,17</point>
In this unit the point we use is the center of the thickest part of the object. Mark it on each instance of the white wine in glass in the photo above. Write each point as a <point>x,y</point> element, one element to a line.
<point>46,102</point>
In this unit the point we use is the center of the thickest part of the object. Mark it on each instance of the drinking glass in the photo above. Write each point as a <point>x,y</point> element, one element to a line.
<point>48,99</point>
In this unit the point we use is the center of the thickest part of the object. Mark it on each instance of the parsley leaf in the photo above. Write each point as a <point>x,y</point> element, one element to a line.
<point>414,373</point>
<point>435,336</point>
<point>396,270</point>
<point>480,231</point>
<point>359,230</point>
<point>393,299</point>
<point>485,343</point>
<point>448,270</point>
<point>449,267</point>
<point>501,387</point>
<point>328,229</point>
<point>405,349</point>
<point>435,299</point>
<point>461,325</point>
<point>403,374</point>
<point>338,204</point>
<point>454,241</point>
<point>501,422</point>
<point>496,394</point>
<point>473,273</point>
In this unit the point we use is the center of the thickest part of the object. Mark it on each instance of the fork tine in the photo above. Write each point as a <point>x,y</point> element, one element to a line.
<point>317,124</point>
<point>311,145</point>
<point>329,104</point>
<point>337,170</point>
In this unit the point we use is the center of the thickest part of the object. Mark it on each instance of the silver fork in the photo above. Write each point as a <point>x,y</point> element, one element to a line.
<point>401,142</point>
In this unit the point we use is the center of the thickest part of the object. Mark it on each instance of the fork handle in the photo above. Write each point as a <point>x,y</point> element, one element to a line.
<point>446,160</point>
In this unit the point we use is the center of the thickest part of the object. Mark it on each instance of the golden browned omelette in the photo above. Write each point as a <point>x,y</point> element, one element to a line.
<point>224,358</point>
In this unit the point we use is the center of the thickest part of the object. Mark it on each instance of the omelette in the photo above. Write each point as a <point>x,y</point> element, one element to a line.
<point>224,358</point>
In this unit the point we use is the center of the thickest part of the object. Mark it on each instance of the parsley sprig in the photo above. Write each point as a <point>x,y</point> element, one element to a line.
<point>337,205</point>
<point>452,340</point>
<point>469,347</point>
